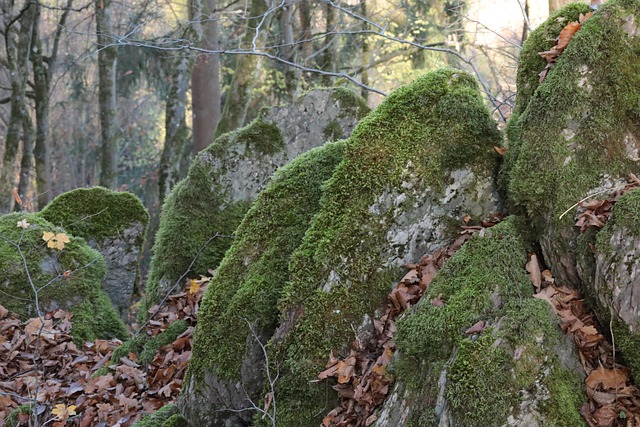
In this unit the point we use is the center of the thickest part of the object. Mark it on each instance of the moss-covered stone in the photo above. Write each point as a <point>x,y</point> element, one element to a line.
<point>517,358</point>
<point>12,419</point>
<point>114,223</point>
<point>226,177</point>
<point>248,286</point>
<point>400,163</point>
<point>79,290</point>
<point>151,347</point>
<point>576,127</point>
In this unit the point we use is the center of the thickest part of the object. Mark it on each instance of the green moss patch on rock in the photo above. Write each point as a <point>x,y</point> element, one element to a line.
<point>167,416</point>
<point>521,370</point>
<point>413,167</point>
<point>112,222</point>
<point>79,290</point>
<point>225,179</point>
<point>579,126</point>
<point>247,287</point>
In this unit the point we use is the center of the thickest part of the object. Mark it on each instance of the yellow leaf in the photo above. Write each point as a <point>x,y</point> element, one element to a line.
<point>23,224</point>
<point>56,241</point>
<point>62,412</point>
<point>194,286</point>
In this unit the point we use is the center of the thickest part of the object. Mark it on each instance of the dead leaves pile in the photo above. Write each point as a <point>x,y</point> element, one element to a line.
<point>596,213</point>
<point>362,378</point>
<point>40,365</point>
<point>613,400</point>
<point>566,34</point>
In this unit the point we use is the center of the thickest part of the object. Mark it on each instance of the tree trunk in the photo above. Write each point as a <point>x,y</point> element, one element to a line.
<point>27,156</point>
<point>286,37</point>
<point>364,76</point>
<point>326,62</point>
<point>176,129</point>
<point>205,77</point>
<point>17,47</point>
<point>234,112</point>
<point>107,56</point>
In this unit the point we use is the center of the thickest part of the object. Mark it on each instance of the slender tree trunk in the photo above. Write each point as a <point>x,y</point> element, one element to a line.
<point>286,36</point>
<point>305,28</point>
<point>364,76</point>
<point>234,112</point>
<point>326,62</point>
<point>27,155</point>
<point>176,129</point>
<point>205,77</point>
<point>18,46</point>
<point>43,70</point>
<point>107,57</point>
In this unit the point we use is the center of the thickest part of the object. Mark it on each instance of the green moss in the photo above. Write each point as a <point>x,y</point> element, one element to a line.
<point>485,281</point>
<point>96,213</point>
<point>249,281</point>
<point>167,416</point>
<point>629,345</point>
<point>134,345</point>
<point>168,336</point>
<point>333,131</point>
<point>417,136</point>
<point>572,128</point>
<point>350,101</point>
<point>12,418</point>
<point>259,138</point>
<point>101,372</point>
<point>81,292</point>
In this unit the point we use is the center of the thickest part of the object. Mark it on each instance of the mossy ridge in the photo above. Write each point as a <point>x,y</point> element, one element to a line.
<point>96,213</point>
<point>81,293</point>
<point>418,135</point>
<point>485,379</point>
<point>248,283</point>
<point>593,91</point>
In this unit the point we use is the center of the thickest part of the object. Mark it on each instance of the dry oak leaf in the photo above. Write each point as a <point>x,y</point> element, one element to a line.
<point>609,378</point>
<point>566,34</point>
<point>56,241</point>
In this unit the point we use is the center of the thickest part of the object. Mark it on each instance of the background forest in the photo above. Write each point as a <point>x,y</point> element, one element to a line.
<point>122,93</point>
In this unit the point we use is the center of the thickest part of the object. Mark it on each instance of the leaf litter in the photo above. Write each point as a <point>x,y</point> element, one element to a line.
<point>67,395</point>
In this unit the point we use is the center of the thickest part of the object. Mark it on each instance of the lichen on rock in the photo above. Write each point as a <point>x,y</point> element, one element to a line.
<point>396,193</point>
<point>226,177</point>
<point>520,370</point>
<point>69,278</point>
<point>243,296</point>
<point>113,223</point>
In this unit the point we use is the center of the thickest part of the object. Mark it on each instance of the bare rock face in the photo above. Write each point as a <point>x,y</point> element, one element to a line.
<point>203,210</point>
<point>113,223</point>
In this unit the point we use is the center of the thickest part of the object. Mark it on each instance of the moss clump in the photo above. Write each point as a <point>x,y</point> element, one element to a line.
<point>485,280</point>
<point>414,139</point>
<point>167,416</point>
<point>96,213</point>
<point>12,419</point>
<point>81,292</point>
<point>350,101</point>
<point>573,128</point>
<point>168,336</point>
<point>248,284</point>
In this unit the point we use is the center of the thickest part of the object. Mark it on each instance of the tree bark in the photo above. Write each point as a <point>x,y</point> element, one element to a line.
<point>205,77</point>
<point>326,62</point>
<point>18,46</point>
<point>286,36</point>
<point>107,57</point>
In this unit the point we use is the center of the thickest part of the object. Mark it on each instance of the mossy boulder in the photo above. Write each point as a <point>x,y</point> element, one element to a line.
<point>167,416</point>
<point>412,170</point>
<point>113,223</point>
<point>521,370</point>
<point>615,284</point>
<point>243,296</point>
<point>577,130</point>
<point>35,276</point>
<point>225,178</point>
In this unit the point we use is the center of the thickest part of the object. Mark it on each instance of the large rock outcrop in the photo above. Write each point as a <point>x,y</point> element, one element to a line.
<point>113,223</point>
<point>225,178</point>
<point>411,171</point>
<point>521,370</point>
<point>577,134</point>
<point>45,268</point>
